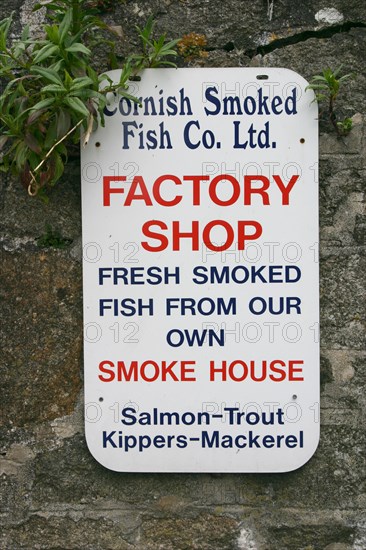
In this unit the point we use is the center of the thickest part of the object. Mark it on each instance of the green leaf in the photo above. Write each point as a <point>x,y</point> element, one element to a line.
<point>65,25</point>
<point>147,30</point>
<point>54,88</point>
<point>8,89</point>
<point>4,30</point>
<point>51,134</point>
<point>47,51</point>
<point>3,140</point>
<point>172,44</point>
<point>125,94</point>
<point>81,82</point>
<point>337,71</point>
<point>93,75</point>
<point>25,33</point>
<point>56,67</point>
<point>98,95</point>
<point>76,105</point>
<point>7,120</point>
<point>33,160</point>
<point>33,143</point>
<point>52,32</point>
<point>48,74</point>
<point>44,3</point>
<point>317,87</point>
<point>105,76</point>
<point>19,49</point>
<point>20,155</point>
<point>318,77</point>
<point>63,123</point>
<point>34,116</point>
<point>62,149</point>
<point>146,41</point>
<point>68,80</point>
<point>158,44</point>
<point>45,103</point>
<point>164,63</point>
<point>58,166</point>
<point>165,52</point>
<point>78,48</point>
<point>321,97</point>
<point>344,77</point>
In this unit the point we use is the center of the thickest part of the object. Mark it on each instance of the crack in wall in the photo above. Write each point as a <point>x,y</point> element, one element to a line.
<point>279,43</point>
<point>326,32</point>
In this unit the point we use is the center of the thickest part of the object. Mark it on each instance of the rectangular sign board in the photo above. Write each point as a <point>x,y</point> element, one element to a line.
<point>200,265</point>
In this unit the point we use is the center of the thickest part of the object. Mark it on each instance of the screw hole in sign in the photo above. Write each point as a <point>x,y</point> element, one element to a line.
<point>262,76</point>
<point>97,144</point>
<point>302,140</point>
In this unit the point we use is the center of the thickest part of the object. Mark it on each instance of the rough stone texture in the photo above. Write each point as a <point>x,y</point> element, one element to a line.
<point>47,367</point>
<point>54,494</point>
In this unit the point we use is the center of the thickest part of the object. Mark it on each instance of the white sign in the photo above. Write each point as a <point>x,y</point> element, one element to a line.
<point>200,247</point>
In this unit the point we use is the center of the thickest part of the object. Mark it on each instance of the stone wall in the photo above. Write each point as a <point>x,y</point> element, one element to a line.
<point>54,494</point>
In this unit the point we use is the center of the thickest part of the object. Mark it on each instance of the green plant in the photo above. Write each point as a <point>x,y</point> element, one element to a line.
<point>51,90</point>
<point>326,88</point>
<point>154,52</point>
<point>53,238</point>
<point>345,126</point>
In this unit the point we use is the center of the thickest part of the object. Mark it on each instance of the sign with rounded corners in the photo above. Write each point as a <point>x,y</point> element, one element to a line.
<point>200,266</point>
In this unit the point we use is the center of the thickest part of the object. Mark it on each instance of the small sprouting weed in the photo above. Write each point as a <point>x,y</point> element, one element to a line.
<point>326,88</point>
<point>52,238</point>
<point>155,53</point>
<point>345,126</point>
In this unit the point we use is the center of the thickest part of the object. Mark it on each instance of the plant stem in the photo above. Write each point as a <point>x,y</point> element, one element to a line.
<point>30,190</point>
